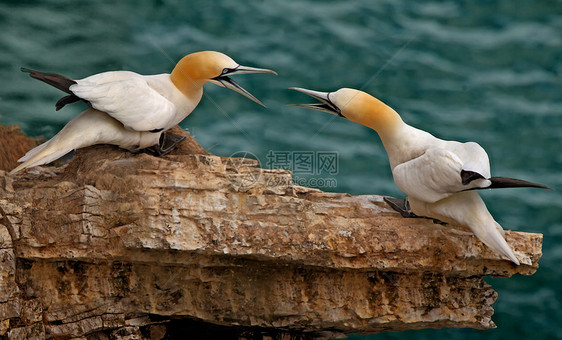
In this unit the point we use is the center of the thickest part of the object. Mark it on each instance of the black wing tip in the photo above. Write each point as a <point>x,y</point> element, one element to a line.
<point>506,182</point>
<point>66,100</point>
<point>468,176</point>
<point>540,186</point>
<point>26,70</point>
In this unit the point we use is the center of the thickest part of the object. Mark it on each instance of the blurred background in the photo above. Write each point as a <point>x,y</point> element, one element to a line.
<point>486,71</point>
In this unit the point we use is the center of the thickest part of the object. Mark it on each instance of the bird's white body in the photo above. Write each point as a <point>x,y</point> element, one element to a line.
<point>125,107</point>
<point>428,170</point>
<point>141,103</point>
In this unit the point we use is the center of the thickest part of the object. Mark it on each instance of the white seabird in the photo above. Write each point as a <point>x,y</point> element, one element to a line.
<point>133,111</point>
<point>437,175</point>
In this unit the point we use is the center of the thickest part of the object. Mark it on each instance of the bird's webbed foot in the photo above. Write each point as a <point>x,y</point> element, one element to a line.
<point>167,143</point>
<point>403,207</point>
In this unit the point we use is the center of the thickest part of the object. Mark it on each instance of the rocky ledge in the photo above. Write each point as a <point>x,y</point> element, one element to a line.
<point>120,245</point>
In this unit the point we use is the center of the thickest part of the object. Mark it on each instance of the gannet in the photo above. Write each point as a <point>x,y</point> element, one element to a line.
<point>133,111</point>
<point>438,176</point>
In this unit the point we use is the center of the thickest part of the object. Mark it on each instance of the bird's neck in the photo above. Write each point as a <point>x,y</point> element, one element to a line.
<point>189,86</point>
<point>406,142</point>
<point>383,119</point>
<point>401,141</point>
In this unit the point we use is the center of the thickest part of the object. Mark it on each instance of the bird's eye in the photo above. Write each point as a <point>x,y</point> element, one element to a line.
<point>225,70</point>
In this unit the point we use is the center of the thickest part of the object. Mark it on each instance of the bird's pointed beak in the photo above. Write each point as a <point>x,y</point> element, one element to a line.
<point>247,70</point>
<point>225,81</point>
<point>325,104</point>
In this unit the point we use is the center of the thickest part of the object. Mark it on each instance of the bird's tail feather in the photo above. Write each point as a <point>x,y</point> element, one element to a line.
<point>42,154</point>
<point>492,238</point>
<point>467,208</point>
<point>506,182</point>
<point>60,82</point>
<point>33,152</point>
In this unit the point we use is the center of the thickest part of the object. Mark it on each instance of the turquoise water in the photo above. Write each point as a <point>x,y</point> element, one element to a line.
<point>483,71</point>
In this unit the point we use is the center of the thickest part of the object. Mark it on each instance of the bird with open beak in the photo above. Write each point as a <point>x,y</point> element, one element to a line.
<point>134,111</point>
<point>438,176</point>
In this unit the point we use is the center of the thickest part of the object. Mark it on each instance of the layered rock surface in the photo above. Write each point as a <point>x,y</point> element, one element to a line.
<point>120,245</point>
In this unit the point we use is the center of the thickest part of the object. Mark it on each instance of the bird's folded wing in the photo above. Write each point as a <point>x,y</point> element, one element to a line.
<point>127,97</point>
<point>430,177</point>
<point>473,156</point>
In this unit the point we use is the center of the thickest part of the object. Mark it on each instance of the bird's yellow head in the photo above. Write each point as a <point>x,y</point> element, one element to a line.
<point>196,69</point>
<point>354,105</point>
